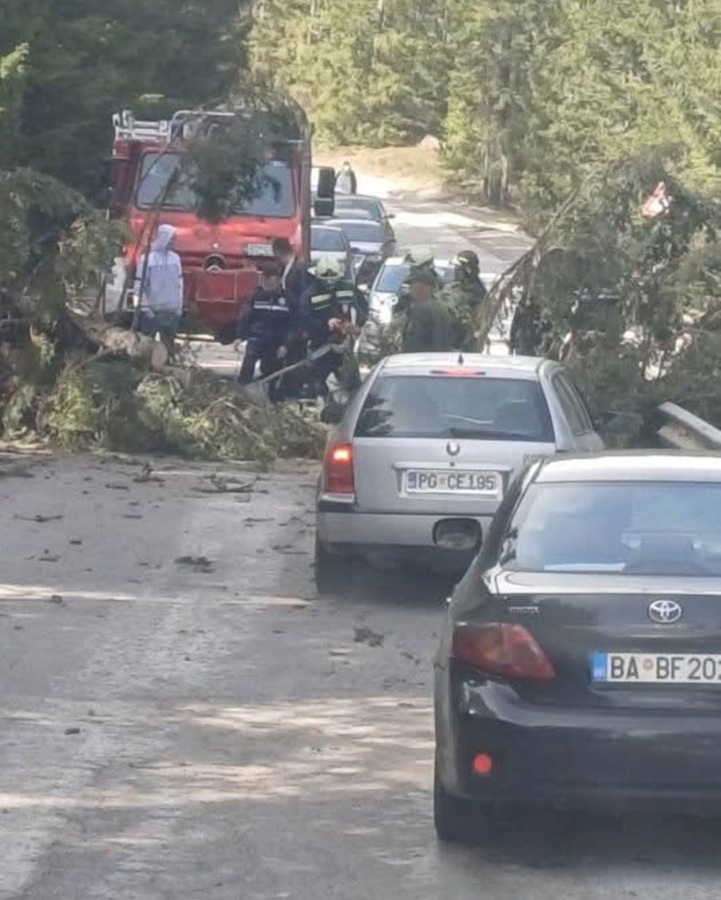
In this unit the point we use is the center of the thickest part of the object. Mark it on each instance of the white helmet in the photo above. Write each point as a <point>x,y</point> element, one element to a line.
<point>419,257</point>
<point>328,269</point>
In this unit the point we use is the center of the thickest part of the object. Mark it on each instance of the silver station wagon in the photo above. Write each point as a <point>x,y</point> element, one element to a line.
<point>425,451</point>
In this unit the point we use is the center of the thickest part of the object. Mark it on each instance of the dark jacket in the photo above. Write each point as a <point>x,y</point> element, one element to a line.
<point>321,303</point>
<point>296,282</point>
<point>270,318</point>
<point>429,328</point>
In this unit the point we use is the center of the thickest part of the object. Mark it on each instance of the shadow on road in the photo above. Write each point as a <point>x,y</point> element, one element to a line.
<point>577,841</point>
<point>396,587</point>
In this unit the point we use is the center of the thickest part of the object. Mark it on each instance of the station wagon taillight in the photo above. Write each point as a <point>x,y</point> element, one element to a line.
<point>502,650</point>
<point>339,469</point>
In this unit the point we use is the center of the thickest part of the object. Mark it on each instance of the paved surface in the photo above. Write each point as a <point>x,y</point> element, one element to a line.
<point>172,727</point>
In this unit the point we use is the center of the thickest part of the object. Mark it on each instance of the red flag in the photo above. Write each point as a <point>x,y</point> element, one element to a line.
<point>658,203</point>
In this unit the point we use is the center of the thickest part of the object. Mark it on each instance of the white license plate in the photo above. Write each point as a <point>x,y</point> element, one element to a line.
<point>259,249</point>
<point>429,482</point>
<point>655,668</point>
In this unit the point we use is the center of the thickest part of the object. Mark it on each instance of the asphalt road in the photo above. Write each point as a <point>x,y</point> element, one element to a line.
<point>177,727</point>
<point>182,717</point>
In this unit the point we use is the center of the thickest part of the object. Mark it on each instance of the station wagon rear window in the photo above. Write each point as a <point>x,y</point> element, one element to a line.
<point>449,406</point>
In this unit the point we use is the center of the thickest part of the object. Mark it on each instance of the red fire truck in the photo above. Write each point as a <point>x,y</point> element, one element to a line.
<point>223,263</point>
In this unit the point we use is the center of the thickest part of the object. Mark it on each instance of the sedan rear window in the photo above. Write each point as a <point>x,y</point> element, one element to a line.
<point>640,528</point>
<point>373,208</point>
<point>455,405</point>
<point>364,231</point>
<point>327,239</point>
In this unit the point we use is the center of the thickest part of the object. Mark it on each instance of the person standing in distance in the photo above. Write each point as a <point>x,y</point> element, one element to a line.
<point>346,181</point>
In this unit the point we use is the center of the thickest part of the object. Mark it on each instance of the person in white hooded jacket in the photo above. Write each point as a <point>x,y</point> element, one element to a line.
<point>159,288</point>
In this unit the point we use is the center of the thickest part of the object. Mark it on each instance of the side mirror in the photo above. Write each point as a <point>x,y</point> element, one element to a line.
<point>332,414</point>
<point>326,184</point>
<point>390,215</point>
<point>364,287</point>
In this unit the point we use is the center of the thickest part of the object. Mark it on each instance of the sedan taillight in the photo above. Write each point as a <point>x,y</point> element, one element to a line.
<point>503,650</point>
<point>339,469</point>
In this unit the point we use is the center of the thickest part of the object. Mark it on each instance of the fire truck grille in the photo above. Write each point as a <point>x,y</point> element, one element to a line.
<point>214,262</point>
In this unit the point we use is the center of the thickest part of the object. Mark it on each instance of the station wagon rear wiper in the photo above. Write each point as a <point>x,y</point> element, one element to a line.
<point>483,433</point>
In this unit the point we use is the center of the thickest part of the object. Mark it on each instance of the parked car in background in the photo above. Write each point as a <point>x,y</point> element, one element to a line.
<point>369,244</point>
<point>371,207</point>
<point>580,663</point>
<point>332,242</point>
<point>427,449</point>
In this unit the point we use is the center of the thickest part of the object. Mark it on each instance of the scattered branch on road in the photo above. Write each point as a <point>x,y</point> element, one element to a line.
<point>220,485</point>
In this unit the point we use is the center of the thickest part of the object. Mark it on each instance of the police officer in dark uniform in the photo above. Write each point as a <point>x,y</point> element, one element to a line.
<point>332,312</point>
<point>266,324</point>
<point>295,280</point>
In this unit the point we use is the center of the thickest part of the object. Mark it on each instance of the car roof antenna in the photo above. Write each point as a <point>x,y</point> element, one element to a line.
<point>461,361</point>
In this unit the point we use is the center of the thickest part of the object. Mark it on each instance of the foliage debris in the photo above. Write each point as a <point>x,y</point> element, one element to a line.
<point>114,405</point>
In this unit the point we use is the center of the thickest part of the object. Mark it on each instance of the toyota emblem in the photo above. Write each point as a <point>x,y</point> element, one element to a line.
<point>665,612</point>
<point>453,448</point>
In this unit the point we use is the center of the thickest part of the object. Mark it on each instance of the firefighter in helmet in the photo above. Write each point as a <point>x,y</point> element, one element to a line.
<point>333,311</point>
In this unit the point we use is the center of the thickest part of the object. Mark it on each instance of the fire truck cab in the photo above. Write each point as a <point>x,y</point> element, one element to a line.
<point>224,262</point>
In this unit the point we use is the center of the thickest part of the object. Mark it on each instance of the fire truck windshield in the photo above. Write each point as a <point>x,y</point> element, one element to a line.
<point>275,197</point>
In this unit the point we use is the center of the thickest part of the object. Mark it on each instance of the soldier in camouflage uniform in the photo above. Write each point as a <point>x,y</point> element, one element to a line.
<point>420,260</point>
<point>464,298</point>
<point>428,325</point>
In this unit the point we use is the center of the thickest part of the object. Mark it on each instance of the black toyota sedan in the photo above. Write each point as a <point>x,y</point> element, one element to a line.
<point>580,665</point>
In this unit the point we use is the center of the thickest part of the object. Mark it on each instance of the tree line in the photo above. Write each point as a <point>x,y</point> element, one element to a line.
<point>526,95</point>
<point>65,67</point>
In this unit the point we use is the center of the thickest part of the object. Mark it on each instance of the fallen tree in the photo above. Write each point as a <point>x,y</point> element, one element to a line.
<point>630,302</point>
<point>113,389</point>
